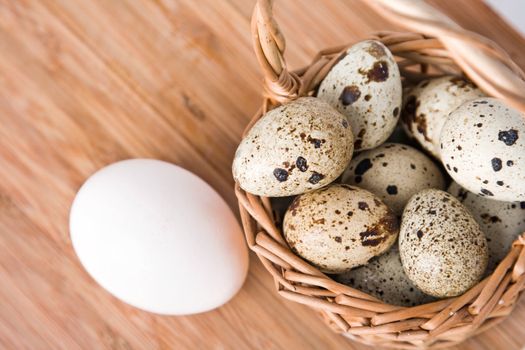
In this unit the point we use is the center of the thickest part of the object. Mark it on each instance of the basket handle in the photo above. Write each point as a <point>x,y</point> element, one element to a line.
<point>280,84</point>
<point>485,62</point>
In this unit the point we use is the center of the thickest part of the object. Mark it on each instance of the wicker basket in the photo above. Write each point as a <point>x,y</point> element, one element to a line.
<point>442,48</point>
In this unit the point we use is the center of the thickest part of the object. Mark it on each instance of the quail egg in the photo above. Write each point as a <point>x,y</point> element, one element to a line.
<point>394,173</point>
<point>383,277</point>
<point>502,222</point>
<point>428,105</point>
<point>483,149</point>
<point>442,248</point>
<point>365,85</point>
<point>339,227</point>
<point>295,148</point>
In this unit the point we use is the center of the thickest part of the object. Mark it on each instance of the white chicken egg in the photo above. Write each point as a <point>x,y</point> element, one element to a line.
<point>158,237</point>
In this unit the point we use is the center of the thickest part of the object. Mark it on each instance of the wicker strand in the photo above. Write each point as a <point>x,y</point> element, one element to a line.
<point>280,85</point>
<point>440,48</point>
<point>482,59</point>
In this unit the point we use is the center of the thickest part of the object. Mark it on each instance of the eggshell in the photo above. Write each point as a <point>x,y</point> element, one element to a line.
<point>483,149</point>
<point>383,277</point>
<point>394,173</point>
<point>502,222</point>
<point>428,105</point>
<point>158,237</point>
<point>294,148</point>
<point>365,85</point>
<point>339,227</point>
<point>442,248</point>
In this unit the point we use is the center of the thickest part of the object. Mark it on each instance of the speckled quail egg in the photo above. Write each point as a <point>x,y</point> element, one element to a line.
<point>383,277</point>
<point>442,248</point>
<point>365,85</point>
<point>428,105</point>
<point>294,148</point>
<point>483,149</point>
<point>339,227</point>
<point>394,173</point>
<point>502,222</point>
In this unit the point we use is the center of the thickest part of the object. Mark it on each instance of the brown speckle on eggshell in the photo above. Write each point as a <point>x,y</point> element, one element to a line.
<point>428,105</point>
<point>502,222</point>
<point>384,278</point>
<point>294,148</point>
<point>393,172</point>
<point>442,248</point>
<point>365,86</point>
<point>493,153</point>
<point>339,227</point>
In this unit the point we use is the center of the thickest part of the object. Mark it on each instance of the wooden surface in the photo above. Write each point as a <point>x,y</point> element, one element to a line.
<point>86,83</point>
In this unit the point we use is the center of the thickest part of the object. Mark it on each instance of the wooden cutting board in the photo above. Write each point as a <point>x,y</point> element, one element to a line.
<point>87,83</point>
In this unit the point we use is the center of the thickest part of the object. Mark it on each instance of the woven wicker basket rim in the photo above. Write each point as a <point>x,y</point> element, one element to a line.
<point>347,310</point>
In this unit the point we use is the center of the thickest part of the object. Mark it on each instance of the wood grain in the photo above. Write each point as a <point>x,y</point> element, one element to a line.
<point>87,83</point>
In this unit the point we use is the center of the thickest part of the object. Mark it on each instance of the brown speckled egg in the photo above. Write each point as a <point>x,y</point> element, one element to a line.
<point>428,105</point>
<point>294,148</point>
<point>394,173</point>
<point>442,248</point>
<point>339,227</point>
<point>502,222</point>
<point>365,85</point>
<point>483,149</point>
<point>384,278</point>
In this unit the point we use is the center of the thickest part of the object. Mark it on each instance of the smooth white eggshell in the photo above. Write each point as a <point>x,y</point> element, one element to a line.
<point>158,237</point>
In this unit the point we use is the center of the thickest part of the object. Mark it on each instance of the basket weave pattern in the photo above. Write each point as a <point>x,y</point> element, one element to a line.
<point>444,48</point>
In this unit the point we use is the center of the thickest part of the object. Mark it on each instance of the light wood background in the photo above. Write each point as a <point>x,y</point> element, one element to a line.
<point>88,82</point>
